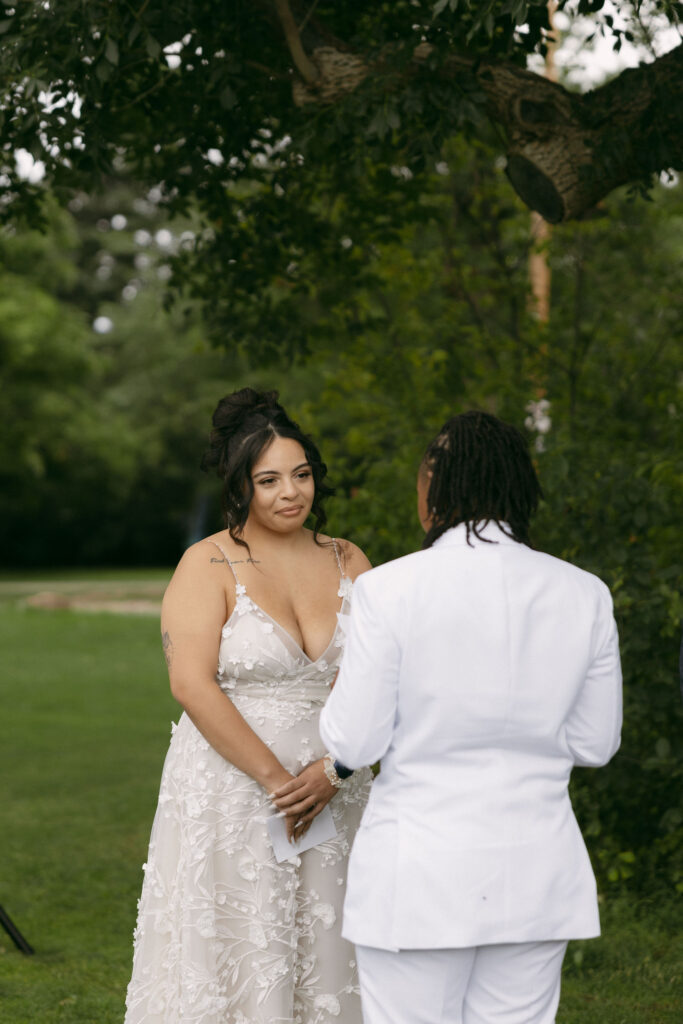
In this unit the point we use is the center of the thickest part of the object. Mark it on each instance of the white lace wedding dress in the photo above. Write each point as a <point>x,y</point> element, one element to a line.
<point>225,934</point>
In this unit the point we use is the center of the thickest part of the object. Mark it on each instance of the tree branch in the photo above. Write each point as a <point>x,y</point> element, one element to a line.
<point>308,15</point>
<point>566,151</point>
<point>304,65</point>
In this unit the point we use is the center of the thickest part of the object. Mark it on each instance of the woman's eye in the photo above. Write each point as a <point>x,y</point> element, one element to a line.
<point>304,476</point>
<point>268,480</point>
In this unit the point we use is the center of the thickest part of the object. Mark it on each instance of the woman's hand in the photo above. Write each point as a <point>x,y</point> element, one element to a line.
<point>303,798</point>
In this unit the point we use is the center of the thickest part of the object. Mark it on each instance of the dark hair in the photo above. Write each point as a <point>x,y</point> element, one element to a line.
<point>245,423</point>
<point>481,471</point>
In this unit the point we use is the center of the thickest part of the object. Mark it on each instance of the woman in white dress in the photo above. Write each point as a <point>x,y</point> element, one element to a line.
<point>253,627</point>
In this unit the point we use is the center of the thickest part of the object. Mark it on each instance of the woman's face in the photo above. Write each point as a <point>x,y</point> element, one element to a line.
<point>424,479</point>
<point>283,487</point>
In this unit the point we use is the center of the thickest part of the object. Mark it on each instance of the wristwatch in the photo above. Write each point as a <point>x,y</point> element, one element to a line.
<point>335,771</point>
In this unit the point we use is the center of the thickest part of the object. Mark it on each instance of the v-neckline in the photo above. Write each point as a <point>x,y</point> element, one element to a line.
<point>311,661</point>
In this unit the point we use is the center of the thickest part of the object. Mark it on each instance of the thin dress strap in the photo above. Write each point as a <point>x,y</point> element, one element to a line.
<point>336,555</point>
<point>225,556</point>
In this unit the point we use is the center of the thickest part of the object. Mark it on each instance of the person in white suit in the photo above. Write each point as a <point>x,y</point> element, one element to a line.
<point>479,671</point>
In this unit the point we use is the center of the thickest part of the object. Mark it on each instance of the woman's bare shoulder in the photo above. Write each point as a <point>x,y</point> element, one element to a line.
<point>202,557</point>
<point>196,594</point>
<point>354,560</point>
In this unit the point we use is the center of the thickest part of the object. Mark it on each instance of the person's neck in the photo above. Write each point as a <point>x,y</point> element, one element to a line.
<point>282,544</point>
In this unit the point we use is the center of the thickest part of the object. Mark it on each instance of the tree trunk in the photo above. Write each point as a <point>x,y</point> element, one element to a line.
<point>539,266</point>
<point>566,151</point>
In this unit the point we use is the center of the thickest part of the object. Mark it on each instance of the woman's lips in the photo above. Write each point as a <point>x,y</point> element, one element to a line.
<point>290,511</point>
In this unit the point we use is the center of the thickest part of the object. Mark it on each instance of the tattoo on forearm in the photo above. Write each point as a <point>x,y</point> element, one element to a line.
<point>167,645</point>
<point>236,561</point>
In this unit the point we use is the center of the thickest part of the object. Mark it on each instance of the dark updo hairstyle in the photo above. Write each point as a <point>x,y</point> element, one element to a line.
<point>245,423</point>
<point>481,471</point>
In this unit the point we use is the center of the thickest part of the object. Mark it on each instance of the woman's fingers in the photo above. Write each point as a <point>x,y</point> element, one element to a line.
<point>288,787</point>
<point>298,826</point>
<point>296,810</point>
<point>288,802</point>
<point>300,796</point>
<point>291,826</point>
<point>302,826</point>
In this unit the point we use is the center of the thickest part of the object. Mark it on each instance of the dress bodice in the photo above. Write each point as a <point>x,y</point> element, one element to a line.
<point>258,658</point>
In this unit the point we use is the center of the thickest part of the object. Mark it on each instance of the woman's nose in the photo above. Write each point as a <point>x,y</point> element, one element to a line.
<point>288,489</point>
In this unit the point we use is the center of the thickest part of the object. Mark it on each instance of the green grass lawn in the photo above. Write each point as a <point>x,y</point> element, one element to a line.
<point>85,724</point>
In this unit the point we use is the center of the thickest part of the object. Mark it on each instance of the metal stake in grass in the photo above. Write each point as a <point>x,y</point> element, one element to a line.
<point>14,933</point>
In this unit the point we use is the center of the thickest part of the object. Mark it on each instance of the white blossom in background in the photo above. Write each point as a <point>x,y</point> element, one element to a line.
<point>118,222</point>
<point>173,50</point>
<point>143,207</point>
<point>102,325</point>
<point>105,266</point>
<point>163,238</point>
<point>28,168</point>
<point>539,421</point>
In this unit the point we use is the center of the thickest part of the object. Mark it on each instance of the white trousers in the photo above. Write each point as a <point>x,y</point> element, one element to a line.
<point>515,983</point>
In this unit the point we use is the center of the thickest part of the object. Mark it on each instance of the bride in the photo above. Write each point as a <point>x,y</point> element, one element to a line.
<point>253,628</point>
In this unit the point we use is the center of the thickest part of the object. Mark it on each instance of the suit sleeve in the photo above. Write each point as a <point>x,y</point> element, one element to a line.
<point>357,723</point>
<point>593,728</point>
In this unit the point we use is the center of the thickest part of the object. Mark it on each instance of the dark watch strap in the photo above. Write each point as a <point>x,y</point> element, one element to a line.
<point>342,771</point>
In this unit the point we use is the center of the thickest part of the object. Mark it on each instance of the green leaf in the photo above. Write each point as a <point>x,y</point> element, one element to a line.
<point>103,70</point>
<point>111,51</point>
<point>520,12</point>
<point>228,98</point>
<point>153,47</point>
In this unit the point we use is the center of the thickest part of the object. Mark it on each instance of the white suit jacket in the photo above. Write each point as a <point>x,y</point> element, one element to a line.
<point>479,675</point>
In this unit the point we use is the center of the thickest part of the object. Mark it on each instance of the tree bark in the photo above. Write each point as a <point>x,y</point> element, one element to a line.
<point>539,267</point>
<point>566,151</point>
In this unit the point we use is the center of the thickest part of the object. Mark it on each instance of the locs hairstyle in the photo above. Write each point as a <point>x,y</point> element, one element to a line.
<point>245,423</point>
<point>481,471</point>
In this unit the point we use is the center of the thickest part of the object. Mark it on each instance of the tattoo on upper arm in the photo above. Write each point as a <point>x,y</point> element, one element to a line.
<point>167,645</point>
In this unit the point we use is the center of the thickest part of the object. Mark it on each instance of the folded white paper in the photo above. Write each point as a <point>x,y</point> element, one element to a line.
<point>322,828</point>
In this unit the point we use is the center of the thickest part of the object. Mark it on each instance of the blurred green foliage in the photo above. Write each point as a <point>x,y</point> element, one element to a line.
<point>106,396</point>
